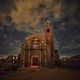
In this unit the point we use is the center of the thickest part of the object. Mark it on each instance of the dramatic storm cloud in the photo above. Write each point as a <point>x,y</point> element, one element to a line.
<point>32,12</point>
<point>28,16</point>
<point>6,6</point>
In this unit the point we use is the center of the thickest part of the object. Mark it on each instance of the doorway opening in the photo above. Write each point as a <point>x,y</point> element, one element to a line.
<point>34,61</point>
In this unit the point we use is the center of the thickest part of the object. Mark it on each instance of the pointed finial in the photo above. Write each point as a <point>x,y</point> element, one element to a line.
<point>48,22</point>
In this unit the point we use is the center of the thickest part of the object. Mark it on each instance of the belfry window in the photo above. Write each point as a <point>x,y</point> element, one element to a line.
<point>48,30</point>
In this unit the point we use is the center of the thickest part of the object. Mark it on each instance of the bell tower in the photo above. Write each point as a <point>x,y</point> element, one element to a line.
<point>49,41</point>
<point>48,32</point>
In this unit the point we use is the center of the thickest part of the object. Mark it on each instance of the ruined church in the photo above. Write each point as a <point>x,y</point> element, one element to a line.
<point>38,50</point>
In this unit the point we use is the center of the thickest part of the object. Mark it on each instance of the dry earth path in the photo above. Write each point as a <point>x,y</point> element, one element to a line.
<point>43,74</point>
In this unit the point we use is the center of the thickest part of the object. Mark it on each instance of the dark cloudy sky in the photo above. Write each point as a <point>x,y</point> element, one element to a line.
<point>29,17</point>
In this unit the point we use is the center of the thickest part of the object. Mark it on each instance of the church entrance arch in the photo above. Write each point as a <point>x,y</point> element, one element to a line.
<point>34,61</point>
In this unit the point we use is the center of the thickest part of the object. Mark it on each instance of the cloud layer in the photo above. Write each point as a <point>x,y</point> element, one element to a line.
<point>35,12</point>
<point>31,15</point>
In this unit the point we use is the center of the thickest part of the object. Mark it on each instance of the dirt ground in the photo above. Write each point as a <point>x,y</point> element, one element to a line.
<point>43,74</point>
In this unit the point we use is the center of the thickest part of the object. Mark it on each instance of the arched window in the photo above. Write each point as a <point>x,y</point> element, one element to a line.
<point>48,30</point>
<point>43,42</point>
<point>35,38</point>
<point>28,42</point>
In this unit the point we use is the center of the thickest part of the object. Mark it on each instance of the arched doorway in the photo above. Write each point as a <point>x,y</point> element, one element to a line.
<point>34,61</point>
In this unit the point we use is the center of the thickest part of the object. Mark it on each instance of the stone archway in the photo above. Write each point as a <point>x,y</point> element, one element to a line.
<point>35,61</point>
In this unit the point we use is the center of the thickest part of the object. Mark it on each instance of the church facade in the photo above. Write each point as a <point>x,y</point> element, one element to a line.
<point>38,50</point>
